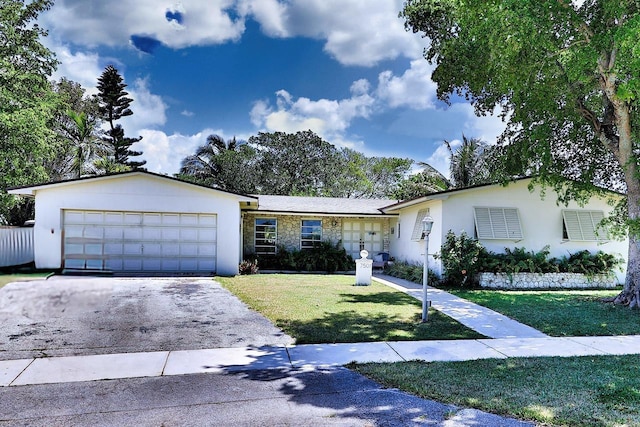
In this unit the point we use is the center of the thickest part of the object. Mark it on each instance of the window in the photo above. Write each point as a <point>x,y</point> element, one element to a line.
<point>498,223</point>
<point>582,226</point>
<point>310,233</point>
<point>266,234</point>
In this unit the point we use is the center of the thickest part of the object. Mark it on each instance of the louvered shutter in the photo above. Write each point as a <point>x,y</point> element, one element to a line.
<point>417,228</point>
<point>498,223</point>
<point>582,225</point>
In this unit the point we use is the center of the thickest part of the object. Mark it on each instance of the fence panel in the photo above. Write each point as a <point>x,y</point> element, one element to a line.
<point>16,246</point>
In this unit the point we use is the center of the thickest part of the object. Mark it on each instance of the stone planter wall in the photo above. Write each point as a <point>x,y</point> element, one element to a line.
<point>546,281</point>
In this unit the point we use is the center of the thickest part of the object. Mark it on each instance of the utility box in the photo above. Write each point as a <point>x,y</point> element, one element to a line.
<point>364,268</point>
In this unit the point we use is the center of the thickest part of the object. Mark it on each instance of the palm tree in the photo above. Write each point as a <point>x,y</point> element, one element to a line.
<point>87,147</point>
<point>204,166</point>
<point>468,163</point>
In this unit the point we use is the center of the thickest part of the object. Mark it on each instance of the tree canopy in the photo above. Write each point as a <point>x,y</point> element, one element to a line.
<point>27,102</point>
<point>296,164</point>
<point>564,76</point>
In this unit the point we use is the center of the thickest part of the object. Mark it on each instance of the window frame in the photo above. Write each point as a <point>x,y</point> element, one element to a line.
<point>503,223</point>
<point>261,236</point>
<point>589,234</point>
<point>313,240</point>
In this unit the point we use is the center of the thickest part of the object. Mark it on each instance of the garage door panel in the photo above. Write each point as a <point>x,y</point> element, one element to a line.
<point>151,233</point>
<point>152,249</point>
<point>113,249</point>
<point>133,233</point>
<point>139,241</point>
<point>170,234</point>
<point>113,218</point>
<point>113,233</point>
<point>188,219</point>
<point>207,250</point>
<point>132,249</point>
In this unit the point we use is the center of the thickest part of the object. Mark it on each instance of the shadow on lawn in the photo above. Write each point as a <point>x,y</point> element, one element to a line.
<point>353,326</point>
<point>387,298</point>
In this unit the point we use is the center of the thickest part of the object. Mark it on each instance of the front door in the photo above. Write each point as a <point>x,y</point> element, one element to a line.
<point>362,234</point>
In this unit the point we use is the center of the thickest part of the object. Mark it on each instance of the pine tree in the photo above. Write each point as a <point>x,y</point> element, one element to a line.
<point>114,104</point>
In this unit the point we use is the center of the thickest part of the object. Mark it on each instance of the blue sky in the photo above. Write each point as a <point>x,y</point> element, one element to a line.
<point>345,69</point>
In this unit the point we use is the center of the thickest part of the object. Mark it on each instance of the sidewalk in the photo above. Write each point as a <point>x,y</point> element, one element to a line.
<point>224,360</point>
<point>508,339</point>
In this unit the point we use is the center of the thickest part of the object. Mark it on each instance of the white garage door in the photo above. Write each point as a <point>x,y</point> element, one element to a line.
<point>139,241</point>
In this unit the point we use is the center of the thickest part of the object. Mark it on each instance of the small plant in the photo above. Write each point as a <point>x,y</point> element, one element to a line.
<point>248,267</point>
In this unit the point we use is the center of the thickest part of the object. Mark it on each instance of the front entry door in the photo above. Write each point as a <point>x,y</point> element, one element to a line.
<point>362,234</point>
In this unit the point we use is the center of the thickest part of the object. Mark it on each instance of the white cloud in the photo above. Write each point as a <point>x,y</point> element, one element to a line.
<point>80,67</point>
<point>328,118</point>
<point>413,89</point>
<point>356,32</point>
<point>93,23</point>
<point>148,109</point>
<point>187,113</point>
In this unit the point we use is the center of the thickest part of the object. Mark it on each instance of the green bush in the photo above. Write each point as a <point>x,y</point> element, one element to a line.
<point>463,257</point>
<point>460,255</point>
<point>411,272</point>
<point>325,256</point>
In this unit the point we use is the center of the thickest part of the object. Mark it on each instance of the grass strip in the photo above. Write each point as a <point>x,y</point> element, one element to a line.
<point>574,391</point>
<point>330,309</point>
<point>560,313</point>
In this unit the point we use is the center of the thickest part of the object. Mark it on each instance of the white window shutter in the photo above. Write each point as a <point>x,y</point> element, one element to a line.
<point>582,225</point>
<point>417,228</point>
<point>498,223</point>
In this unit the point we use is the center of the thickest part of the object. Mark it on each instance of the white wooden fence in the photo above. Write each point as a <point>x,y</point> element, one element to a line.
<point>16,246</point>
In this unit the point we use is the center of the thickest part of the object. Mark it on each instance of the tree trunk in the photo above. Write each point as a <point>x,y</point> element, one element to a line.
<point>623,151</point>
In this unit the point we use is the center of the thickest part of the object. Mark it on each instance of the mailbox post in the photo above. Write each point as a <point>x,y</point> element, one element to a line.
<point>364,268</point>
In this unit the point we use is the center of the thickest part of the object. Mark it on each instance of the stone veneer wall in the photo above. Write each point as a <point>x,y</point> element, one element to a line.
<point>546,281</point>
<point>289,230</point>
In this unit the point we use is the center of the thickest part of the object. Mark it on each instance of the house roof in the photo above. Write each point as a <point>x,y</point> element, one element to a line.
<point>321,205</point>
<point>440,195</point>
<point>30,190</point>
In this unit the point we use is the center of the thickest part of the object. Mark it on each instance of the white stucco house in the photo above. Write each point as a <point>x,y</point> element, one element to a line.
<point>144,222</point>
<point>499,217</point>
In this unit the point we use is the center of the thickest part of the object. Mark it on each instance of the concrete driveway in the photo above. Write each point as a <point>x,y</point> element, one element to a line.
<point>82,316</point>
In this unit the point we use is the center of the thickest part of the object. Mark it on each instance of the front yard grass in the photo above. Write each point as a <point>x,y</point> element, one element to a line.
<point>330,309</point>
<point>575,391</point>
<point>560,313</point>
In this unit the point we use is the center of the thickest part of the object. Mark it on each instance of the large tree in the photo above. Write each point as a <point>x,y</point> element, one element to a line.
<point>230,165</point>
<point>77,126</point>
<point>26,99</point>
<point>114,105</point>
<point>468,162</point>
<point>296,164</point>
<point>567,78</point>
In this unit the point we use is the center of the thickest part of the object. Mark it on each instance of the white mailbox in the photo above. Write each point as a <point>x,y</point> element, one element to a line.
<point>364,268</point>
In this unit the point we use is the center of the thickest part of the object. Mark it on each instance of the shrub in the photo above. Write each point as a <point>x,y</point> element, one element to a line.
<point>325,256</point>
<point>460,259</point>
<point>248,267</point>
<point>411,272</point>
<point>463,258</point>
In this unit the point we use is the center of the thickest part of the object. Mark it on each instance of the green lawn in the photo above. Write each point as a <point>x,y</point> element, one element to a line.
<point>576,391</point>
<point>560,313</point>
<point>330,309</point>
<point>18,277</point>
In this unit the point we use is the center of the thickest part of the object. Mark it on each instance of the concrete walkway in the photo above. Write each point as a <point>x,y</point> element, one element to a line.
<point>508,339</point>
<point>480,319</point>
